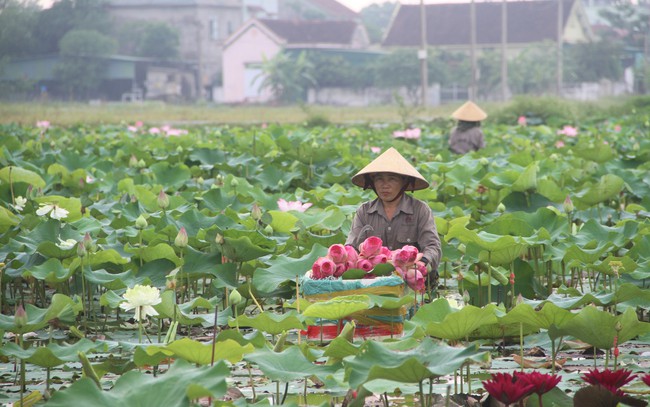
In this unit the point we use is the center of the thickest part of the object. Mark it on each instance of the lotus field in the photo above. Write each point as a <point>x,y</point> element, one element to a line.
<point>147,266</point>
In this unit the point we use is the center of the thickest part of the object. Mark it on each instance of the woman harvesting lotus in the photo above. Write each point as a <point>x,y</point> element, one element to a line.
<point>397,218</point>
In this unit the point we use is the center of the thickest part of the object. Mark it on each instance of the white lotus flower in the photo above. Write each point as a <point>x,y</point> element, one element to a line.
<point>66,244</point>
<point>20,203</point>
<point>54,211</point>
<point>141,298</point>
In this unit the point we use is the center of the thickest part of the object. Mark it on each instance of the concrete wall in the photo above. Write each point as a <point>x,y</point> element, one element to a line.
<point>370,96</point>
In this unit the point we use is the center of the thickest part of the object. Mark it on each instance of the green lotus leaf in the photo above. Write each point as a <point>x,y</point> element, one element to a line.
<point>53,354</point>
<point>460,324</point>
<point>105,256</point>
<point>598,328</point>
<point>202,353</point>
<point>52,271</point>
<point>593,231</point>
<point>383,269</point>
<point>7,219</point>
<point>527,179</point>
<point>112,281</point>
<point>50,249</point>
<point>332,218</point>
<point>436,311</point>
<point>388,302</point>
<point>549,188</point>
<point>353,274</point>
<point>282,222</point>
<point>168,304</point>
<point>285,269</point>
<point>14,174</point>
<point>216,200</point>
<point>172,176</point>
<point>273,324</point>
<point>549,315</point>
<point>290,364</point>
<point>271,176</point>
<point>627,265</point>
<point>608,187</point>
<point>428,360</point>
<point>245,245</point>
<point>443,225</point>
<point>495,249</point>
<point>577,256</point>
<point>597,152</point>
<point>61,307</point>
<point>161,251</point>
<point>208,156</point>
<point>180,385</point>
<point>338,307</point>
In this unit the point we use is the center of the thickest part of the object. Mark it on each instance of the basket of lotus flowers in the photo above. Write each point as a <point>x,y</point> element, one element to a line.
<point>374,271</point>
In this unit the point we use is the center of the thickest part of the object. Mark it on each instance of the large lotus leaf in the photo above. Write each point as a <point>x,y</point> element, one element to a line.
<point>340,348</point>
<point>245,245</point>
<point>501,180</point>
<point>61,307</point>
<point>290,364</point>
<point>627,265</point>
<point>286,268</point>
<point>549,188</point>
<point>203,353</point>
<point>598,328</point>
<point>459,325</point>
<point>208,156</point>
<point>510,224</point>
<point>509,251</point>
<point>178,387</point>
<point>443,225</point>
<point>577,256</point>
<point>496,249</point>
<point>572,298</point>
<point>527,179</point>
<point>53,354</point>
<point>429,360</point>
<point>50,249</point>
<point>167,306</point>
<point>593,231</point>
<point>331,219</point>
<point>105,256</point>
<point>608,187</point>
<point>435,311</point>
<point>17,174</point>
<point>111,281</point>
<point>52,271</point>
<point>282,222</point>
<point>339,307</point>
<point>172,176</point>
<point>255,338</point>
<point>198,264</point>
<point>271,323</point>
<point>72,205</point>
<point>271,176</point>
<point>217,200</point>
<point>160,251</point>
<point>549,315</point>
<point>7,219</point>
<point>195,221</point>
<point>388,302</point>
<point>597,152</point>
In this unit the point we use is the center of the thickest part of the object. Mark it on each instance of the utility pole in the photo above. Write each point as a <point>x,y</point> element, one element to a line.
<point>504,50</point>
<point>422,54</point>
<point>472,18</point>
<point>560,29</point>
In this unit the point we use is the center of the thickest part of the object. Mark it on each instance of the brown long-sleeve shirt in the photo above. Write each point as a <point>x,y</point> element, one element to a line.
<point>460,142</point>
<point>412,224</point>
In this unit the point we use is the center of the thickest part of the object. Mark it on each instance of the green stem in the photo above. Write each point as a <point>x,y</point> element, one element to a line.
<point>521,344</point>
<point>140,328</point>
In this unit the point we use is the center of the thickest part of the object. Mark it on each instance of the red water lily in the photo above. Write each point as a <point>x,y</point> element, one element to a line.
<point>646,378</point>
<point>504,388</point>
<point>542,382</point>
<point>612,380</point>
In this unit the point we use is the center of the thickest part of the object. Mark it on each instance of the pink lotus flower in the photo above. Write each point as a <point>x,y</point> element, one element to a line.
<point>415,280</point>
<point>364,264</point>
<point>353,256</point>
<point>617,128</point>
<point>337,253</point>
<point>132,129</point>
<point>340,269</point>
<point>422,268</point>
<point>559,144</point>
<point>406,256</point>
<point>568,131</point>
<point>370,247</point>
<point>504,388</point>
<point>42,124</point>
<point>323,268</point>
<point>612,380</point>
<point>139,124</point>
<point>412,134</point>
<point>286,206</point>
<point>521,120</point>
<point>154,130</point>
<point>378,259</point>
<point>375,150</point>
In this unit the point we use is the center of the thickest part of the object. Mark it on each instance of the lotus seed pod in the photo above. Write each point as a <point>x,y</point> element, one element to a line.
<point>501,208</point>
<point>484,161</point>
<point>140,222</point>
<point>141,163</point>
<point>268,230</point>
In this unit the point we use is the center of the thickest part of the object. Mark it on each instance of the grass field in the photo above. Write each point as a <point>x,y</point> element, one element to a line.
<point>65,114</point>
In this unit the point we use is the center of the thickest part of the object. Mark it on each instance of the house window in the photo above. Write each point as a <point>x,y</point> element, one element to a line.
<point>214,28</point>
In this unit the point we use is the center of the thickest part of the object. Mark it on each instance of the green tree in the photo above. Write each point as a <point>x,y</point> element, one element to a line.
<point>288,78</point>
<point>82,67</point>
<point>336,71</point>
<point>628,23</point>
<point>591,62</point>
<point>158,40</point>
<point>533,70</point>
<point>376,18</point>
<point>17,26</point>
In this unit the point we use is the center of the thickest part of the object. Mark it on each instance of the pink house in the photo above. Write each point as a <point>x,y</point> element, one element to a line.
<point>261,39</point>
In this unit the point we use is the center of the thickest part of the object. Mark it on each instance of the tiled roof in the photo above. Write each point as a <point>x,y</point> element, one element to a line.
<point>335,9</point>
<point>449,24</point>
<point>312,31</point>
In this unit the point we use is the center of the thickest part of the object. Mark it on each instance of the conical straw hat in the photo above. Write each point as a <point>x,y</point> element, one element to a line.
<point>390,161</point>
<point>469,112</point>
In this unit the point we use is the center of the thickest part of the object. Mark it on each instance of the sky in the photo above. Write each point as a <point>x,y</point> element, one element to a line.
<point>357,5</point>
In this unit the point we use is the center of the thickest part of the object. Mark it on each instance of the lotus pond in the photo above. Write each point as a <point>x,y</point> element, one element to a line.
<point>146,266</point>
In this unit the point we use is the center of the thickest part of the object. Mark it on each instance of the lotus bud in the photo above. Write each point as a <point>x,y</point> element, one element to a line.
<point>553,157</point>
<point>234,183</point>
<point>179,149</point>
<point>218,180</point>
<point>87,241</point>
<point>181,238</point>
<point>171,284</point>
<point>520,299</point>
<point>501,208</point>
<point>20,318</point>
<point>30,190</point>
<point>256,212</point>
<point>141,222</point>
<point>462,248</point>
<point>219,239</point>
<point>438,157</point>
<point>81,249</point>
<point>200,180</point>
<point>235,298</point>
<point>568,205</point>
<point>280,183</point>
<point>268,230</point>
<point>484,161</point>
<point>133,161</point>
<point>466,297</point>
<point>163,200</point>
<point>618,326</point>
<point>141,163</point>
